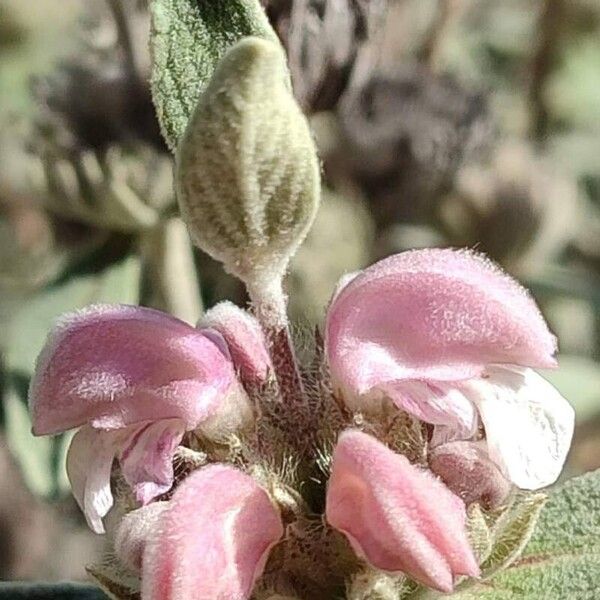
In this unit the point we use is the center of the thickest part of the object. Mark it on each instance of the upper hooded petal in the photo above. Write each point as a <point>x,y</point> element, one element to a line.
<point>116,365</point>
<point>397,516</point>
<point>213,540</point>
<point>435,314</point>
<point>528,424</point>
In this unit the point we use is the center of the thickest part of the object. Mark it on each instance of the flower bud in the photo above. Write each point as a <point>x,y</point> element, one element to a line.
<point>247,172</point>
<point>467,470</point>
<point>133,531</point>
<point>213,540</point>
<point>395,515</point>
<point>244,339</point>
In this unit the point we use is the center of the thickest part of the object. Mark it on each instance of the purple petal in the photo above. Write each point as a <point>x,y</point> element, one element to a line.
<point>437,403</point>
<point>133,532</point>
<point>466,468</point>
<point>147,458</point>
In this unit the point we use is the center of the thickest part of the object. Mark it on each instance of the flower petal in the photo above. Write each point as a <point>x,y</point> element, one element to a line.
<point>438,403</point>
<point>114,366</point>
<point>432,315</point>
<point>147,458</point>
<point>213,540</point>
<point>528,424</point>
<point>244,338</point>
<point>89,464</point>
<point>397,516</point>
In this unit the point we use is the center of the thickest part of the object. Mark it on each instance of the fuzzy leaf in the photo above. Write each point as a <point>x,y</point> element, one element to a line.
<point>479,533</point>
<point>562,559</point>
<point>50,591</point>
<point>512,532</point>
<point>188,39</point>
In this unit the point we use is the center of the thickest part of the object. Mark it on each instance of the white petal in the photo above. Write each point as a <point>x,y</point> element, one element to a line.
<point>89,464</point>
<point>528,424</point>
<point>438,403</point>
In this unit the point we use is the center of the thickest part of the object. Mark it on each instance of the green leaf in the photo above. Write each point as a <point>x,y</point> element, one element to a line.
<point>479,533</point>
<point>562,559</point>
<point>512,532</point>
<point>188,39</point>
<point>42,459</point>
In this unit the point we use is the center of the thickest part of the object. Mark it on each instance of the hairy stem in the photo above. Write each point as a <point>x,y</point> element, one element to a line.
<point>270,306</point>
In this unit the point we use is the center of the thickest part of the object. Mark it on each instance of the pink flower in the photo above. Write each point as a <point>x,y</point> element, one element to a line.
<point>397,516</point>
<point>134,380</point>
<point>450,338</point>
<point>245,340</point>
<point>213,540</point>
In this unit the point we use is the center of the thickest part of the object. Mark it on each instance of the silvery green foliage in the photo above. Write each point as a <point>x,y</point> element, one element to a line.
<point>247,175</point>
<point>189,37</point>
<point>562,558</point>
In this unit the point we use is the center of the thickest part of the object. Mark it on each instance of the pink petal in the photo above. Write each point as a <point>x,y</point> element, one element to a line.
<point>397,516</point>
<point>432,315</point>
<point>147,458</point>
<point>89,464</point>
<point>244,339</point>
<point>214,539</point>
<point>134,531</point>
<point>114,366</point>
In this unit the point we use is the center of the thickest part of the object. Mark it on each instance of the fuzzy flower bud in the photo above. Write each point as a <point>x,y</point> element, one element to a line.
<point>466,468</point>
<point>397,516</point>
<point>213,541</point>
<point>247,172</point>
<point>133,531</point>
<point>244,338</point>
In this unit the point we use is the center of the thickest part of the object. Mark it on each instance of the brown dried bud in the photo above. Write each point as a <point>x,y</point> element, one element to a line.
<point>322,38</point>
<point>404,136</point>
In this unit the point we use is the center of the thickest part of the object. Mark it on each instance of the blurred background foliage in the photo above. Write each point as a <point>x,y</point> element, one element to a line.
<point>440,122</point>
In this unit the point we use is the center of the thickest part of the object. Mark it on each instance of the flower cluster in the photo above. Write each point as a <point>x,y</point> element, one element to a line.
<point>419,400</point>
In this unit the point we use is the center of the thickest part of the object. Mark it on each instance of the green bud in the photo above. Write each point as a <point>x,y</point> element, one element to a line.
<point>247,171</point>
